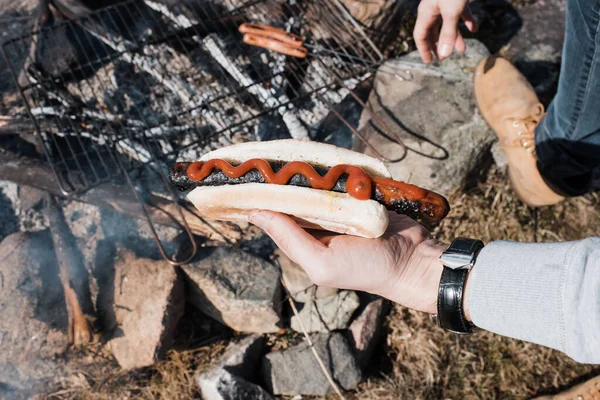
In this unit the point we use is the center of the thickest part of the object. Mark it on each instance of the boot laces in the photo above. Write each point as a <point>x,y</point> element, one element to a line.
<point>524,129</point>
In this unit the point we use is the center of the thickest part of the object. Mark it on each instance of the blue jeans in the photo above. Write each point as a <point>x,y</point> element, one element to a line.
<point>568,137</point>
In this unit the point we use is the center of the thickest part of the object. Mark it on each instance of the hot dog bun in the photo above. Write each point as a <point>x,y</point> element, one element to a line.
<point>318,209</point>
<point>312,208</point>
<point>314,153</point>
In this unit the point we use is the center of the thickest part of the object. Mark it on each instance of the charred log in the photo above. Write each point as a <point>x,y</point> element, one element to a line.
<point>73,275</point>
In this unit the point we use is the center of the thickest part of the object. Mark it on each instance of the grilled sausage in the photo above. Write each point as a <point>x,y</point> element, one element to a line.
<point>400,197</point>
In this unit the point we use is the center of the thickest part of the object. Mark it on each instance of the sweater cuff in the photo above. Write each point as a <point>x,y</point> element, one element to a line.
<point>516,290</point>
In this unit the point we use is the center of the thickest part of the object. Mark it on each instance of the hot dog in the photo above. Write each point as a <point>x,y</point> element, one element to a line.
<point>273,39</point>
<point>275,45</point>
<point>331,188</point>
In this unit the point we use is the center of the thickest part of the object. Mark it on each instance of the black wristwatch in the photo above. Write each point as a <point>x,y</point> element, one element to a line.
<point>458,259</point>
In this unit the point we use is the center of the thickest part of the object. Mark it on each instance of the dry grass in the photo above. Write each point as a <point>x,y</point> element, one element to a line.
<point>94,375</point>
<point>419,361</point>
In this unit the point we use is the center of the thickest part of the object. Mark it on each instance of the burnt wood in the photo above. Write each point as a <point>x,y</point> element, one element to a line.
<point>73,275</point>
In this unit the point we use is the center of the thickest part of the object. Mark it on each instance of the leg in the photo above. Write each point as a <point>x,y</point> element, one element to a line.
<point>568,137</point>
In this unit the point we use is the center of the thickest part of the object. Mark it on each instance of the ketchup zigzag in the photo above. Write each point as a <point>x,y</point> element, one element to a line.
<point>359,184</point>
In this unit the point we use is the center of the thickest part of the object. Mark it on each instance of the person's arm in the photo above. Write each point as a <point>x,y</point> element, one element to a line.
<point>543,293</point>
<point>546,293</point>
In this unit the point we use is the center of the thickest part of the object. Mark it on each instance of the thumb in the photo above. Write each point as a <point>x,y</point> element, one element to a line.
<point>295,242</point>
<point>447,35</point>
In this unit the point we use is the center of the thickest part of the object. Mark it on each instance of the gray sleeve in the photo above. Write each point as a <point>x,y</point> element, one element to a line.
<point>545,293</point>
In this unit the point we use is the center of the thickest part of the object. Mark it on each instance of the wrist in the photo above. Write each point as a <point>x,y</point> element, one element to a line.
<point>419,291</point>
<point>453,304</point>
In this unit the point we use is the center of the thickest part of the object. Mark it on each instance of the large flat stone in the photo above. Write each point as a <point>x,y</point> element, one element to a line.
<point>296,371</point>
<point>367,328</point>
<point>432,109</point>
<point>33,316</point>
<point>148,302</point>
<point>236,288</point>
<point>326,314</point>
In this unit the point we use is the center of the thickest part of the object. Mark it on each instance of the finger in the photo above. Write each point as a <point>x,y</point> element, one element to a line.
<point>295,242</point>
<point>469,19</point>
<point>447,36</point>
<point>460,45</point>
<point>434,37</point>
<point>426,19</point>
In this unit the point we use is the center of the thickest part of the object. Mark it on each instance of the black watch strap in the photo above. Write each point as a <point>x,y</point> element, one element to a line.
<point>450,314</point>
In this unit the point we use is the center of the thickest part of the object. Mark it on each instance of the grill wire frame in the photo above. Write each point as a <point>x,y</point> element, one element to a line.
<point>94,138</point>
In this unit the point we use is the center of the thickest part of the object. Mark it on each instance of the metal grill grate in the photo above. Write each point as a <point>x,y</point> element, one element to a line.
<point>127,90</point>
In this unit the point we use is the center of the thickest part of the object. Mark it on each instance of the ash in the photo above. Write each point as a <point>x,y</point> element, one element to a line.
<point>172,99</point>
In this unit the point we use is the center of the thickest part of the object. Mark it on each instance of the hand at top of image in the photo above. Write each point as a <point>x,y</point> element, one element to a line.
<point>436,29</point>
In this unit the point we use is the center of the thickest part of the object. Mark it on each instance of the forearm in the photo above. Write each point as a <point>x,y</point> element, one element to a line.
<point>546,293</point>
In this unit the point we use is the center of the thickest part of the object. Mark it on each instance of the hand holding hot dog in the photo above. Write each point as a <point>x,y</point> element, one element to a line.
<point>436,29</point>
<point>402,265</point>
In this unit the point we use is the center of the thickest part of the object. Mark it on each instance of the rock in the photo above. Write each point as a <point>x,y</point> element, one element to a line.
<point>328,314</point>
<point>433,111</point>
<point>33,316</point>
<point>366,329</point>
<point>296,371</point>
<point>231,378</point>
<point>297,281</point>
<point>536,49</point>
<point>236,288</point>
<point>148,302</point>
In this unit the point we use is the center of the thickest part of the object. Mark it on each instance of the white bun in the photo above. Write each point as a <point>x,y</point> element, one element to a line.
<point>320,209</point>
<point>315,153</point>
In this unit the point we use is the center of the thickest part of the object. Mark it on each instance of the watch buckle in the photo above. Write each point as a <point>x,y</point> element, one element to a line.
<point>457,260</point>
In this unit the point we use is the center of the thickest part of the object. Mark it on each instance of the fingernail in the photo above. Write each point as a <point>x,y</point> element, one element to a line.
<point>445,50</point>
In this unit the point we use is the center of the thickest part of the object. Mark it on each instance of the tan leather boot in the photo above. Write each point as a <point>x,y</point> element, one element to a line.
<point>510,106</point>
<point>589,390</point>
